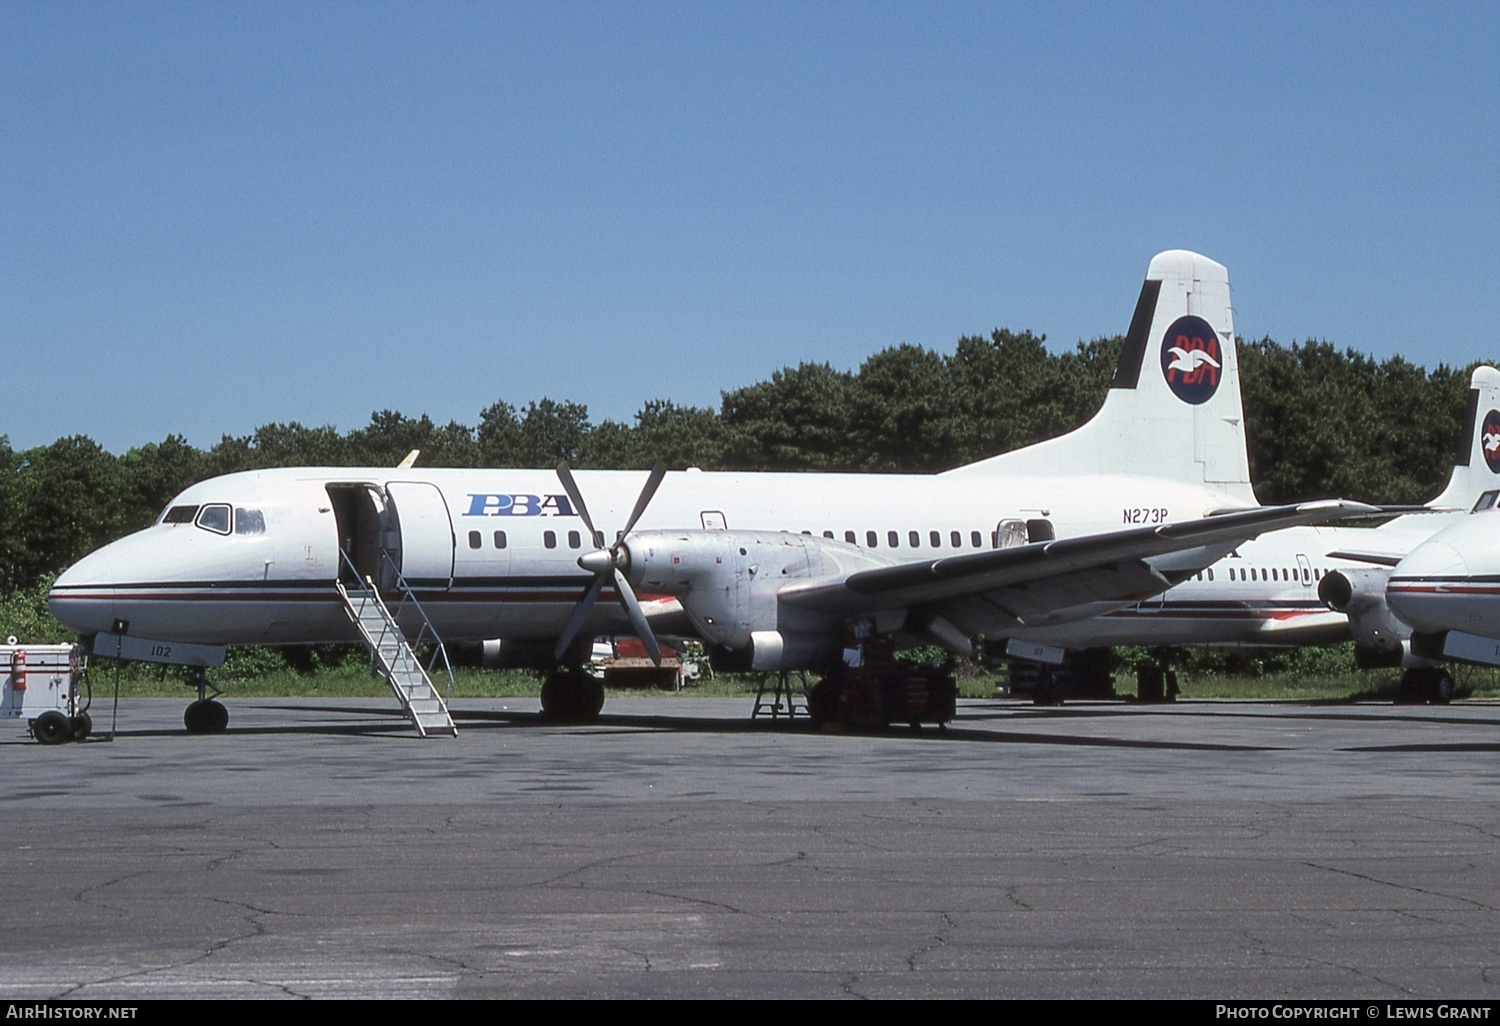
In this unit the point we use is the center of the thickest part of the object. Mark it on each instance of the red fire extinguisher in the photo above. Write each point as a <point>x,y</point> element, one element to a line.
<point>18,671</point>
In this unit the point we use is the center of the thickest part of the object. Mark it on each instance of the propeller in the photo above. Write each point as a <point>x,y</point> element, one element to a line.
<point>606,566</point>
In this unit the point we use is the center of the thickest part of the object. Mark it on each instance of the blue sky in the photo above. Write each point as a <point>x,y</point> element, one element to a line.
<point>215,216</point>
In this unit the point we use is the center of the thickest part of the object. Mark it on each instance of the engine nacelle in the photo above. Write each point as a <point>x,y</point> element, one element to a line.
<point>729,583</point>
<point>1380,636</point>
<point>518,653</point>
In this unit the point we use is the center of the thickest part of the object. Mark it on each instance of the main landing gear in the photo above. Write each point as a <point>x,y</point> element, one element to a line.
<point>1425,684</point>
<point>205,716</point>
<point>570,695</point>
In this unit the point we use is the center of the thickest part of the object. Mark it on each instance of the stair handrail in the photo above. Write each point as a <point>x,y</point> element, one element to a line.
<point>427,632</point>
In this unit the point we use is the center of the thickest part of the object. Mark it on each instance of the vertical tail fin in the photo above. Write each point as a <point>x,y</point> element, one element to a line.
<point>1173,410</point>
<point>1476,468</point>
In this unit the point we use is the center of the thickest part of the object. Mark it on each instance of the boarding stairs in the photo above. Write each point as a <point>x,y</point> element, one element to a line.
<point>393,656</point>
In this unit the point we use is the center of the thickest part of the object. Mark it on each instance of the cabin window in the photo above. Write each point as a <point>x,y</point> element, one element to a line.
<point>956,539</point>
<point>500,539</point>
<point>1210,573</point>
<point>475,540</point>
<point>914,539</point>
<point>1486,501</point>
<point>575,540</point>
<point>827,534</point>
<point>936,537</point>
<point>870,539</point>
<point>214,518</point>
<point>549,539</point>
<point>849,537</point>
<point>598,539</point>
<point>893,539</point>
<point>249,521</point>
<point>975,540</point>
<point>180,515</point>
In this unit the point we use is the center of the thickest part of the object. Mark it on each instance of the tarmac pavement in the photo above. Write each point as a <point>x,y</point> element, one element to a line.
<point>1215,850</point>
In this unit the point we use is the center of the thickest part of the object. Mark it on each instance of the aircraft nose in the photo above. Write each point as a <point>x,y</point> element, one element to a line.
<point>83,596</point>
<point>1420,589</point>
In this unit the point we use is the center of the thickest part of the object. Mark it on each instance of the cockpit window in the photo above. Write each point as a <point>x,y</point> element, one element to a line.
<point>1486,501</point>
<point>179,515</point>
<point>249,521</point>
<point>214,518</point>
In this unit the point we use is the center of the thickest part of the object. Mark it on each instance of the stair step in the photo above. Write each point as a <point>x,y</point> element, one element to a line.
<point>394,660</point>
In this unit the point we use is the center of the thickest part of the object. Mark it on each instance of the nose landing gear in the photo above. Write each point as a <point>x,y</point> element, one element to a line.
<point>205,716</point>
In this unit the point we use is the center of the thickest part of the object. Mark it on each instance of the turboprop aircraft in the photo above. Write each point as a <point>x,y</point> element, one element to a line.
<point>769,569</point>
<point>1309,585</point>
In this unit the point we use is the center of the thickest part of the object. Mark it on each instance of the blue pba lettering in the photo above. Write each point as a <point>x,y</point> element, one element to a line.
<point>496,504</point>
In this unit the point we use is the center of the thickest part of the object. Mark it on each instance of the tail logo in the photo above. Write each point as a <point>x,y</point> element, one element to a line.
<point>1190,361</point>
<point>1489,435</point>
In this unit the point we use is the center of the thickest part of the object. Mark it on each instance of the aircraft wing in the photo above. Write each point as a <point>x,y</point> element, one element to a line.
<point>1364,556</point>
<point>1036,581</point>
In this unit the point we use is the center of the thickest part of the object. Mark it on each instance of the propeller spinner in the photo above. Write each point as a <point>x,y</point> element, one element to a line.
<point>608,564</point>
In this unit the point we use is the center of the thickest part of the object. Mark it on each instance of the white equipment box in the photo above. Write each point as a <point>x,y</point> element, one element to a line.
<point>40,684</point>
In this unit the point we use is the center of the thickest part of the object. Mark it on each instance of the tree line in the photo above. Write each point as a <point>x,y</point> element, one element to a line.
<point>1321,422</point>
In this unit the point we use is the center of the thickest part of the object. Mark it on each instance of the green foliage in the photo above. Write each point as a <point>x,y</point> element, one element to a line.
<point>1321,423</point>
<point>25,616</point>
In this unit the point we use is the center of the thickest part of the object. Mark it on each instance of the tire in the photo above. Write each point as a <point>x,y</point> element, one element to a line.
<point>823,702</point>
<point>52,728</point>
<point>205,717</point>
<point>572,698</point>
<point>1441,687</point>
<point>1410,691</point>
<point>590,699</point>
<point>554,699</point>
<point>82,726</point>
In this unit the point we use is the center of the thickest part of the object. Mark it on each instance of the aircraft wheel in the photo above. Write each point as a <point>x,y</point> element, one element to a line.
<point>823,702</point>
<point>554,697</point>
<point>205,716</point>
<point>572,698</point>
<point>51,728</point>
<point>1410,690</point>
<point>1048,690</point>
<point>1441,687</point>
<point>82,726</point>
<point>590,697</point>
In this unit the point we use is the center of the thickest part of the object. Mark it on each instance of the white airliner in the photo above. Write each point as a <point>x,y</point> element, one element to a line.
<point>1309,585</point>
<point>768,567</point>
<point>1448,588</point>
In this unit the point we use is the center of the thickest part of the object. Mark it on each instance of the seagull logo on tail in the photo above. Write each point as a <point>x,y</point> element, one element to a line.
<point>1189,360</point>
<point>1489,440</point>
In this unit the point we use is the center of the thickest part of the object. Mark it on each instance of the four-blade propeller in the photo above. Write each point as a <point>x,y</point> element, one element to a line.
<point>607,565</point>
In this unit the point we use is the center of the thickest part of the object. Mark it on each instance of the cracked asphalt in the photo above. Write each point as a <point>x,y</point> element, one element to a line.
<point>676,849</point>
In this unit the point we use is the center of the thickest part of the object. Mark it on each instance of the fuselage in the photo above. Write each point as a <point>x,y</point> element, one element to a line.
<point>1452,580</point>
<point>252,558</point>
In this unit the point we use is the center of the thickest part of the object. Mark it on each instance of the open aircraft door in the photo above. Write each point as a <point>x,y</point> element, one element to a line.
<point>425,531</point>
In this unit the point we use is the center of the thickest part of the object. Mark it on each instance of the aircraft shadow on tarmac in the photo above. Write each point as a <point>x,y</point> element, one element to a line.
<point>390,725</point>
<point>384,722</point>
